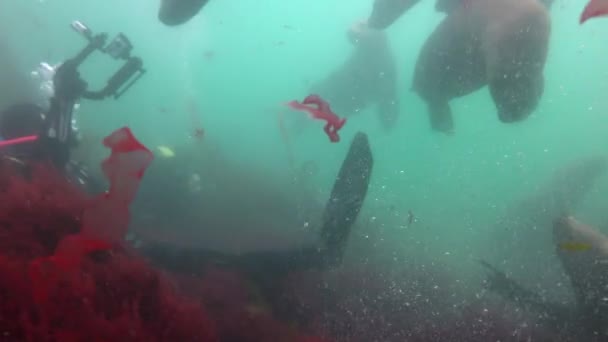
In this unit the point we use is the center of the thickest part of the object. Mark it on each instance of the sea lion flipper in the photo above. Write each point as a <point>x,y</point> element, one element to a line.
<point>440,115</point>
<point>347,198</point>
<point>177,12</point>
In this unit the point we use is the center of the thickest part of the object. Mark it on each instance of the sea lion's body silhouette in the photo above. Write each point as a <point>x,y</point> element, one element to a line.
<point>178,12</point>
<point>499,43</point>
<point>368,77</point>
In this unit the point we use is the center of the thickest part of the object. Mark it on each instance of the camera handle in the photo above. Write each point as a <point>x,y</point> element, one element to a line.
<point>56,138</point>
<point>132,67</point>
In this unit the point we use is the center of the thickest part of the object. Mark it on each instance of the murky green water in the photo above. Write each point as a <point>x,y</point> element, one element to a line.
<point>240,60</point>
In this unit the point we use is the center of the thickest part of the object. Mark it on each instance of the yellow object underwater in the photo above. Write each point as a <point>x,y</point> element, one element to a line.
<point>165,151</point>
<point>573,246</point>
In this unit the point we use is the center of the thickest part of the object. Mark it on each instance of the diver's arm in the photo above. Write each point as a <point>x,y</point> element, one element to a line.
<point>386,12</point>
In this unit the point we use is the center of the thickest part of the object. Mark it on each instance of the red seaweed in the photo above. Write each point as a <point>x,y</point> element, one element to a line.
<point>108,216</point>
<point>239,315</point>
<point>67,278</point>
<point>594,8</point>
<point>65,275</point>
<point>320,109</point>
<point>105,221</point>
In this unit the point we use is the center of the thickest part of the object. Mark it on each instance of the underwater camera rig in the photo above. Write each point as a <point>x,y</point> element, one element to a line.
<point>57,135</point>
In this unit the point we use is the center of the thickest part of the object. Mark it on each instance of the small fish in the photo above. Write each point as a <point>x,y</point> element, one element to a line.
<point>165,151</point>
<point>198,133</point>
<point>595,8</point>
<point>208,54</point>
<point>573,246</point>
<point>411,218</point>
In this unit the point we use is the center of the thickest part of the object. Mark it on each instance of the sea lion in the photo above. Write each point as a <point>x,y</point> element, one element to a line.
<point>369,76</point>
<point>386,12</point>
<point>587,270</point>
<point>502,44</point>
<point>524,228</point>
<point>177,12</point>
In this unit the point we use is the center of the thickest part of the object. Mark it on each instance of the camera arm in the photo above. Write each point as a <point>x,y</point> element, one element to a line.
<point>56,136</point>
<point>132,67</point>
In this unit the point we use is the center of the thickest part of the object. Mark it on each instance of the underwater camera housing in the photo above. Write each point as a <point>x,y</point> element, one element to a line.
<point>119,49</point>
<point>69,88</point>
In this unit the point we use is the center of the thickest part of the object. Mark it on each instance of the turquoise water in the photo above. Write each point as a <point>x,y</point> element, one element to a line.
<point>239,61</point>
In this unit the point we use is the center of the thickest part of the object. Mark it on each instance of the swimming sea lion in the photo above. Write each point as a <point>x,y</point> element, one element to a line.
<point>369,76</point>
<point>587,270</point>
<point>502,44</point>
<point>386,12</point>
<point>524,228</point>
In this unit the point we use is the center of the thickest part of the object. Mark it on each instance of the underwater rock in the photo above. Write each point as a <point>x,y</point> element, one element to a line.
<point>362,303</point>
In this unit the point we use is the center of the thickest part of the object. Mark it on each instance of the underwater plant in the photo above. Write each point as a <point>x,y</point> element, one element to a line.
<point>319,109</point>
<point>65,274</point>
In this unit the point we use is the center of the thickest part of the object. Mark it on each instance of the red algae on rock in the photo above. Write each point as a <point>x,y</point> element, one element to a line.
<point>239,317</point>
<point>108,217</point>
<point>65,276</point>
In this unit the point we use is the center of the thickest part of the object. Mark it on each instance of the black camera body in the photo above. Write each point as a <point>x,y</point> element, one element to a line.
<point>57,135</point>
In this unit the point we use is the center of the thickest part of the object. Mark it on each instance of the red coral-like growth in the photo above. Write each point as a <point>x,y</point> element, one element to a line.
<point>62,280</point>
<point>66,276</point>
<point>320,109</point>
